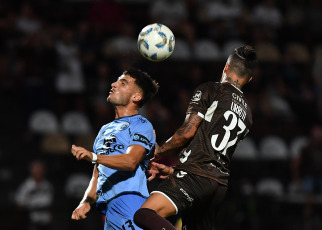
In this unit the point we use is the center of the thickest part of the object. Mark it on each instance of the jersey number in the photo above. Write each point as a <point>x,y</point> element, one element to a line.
<point>225,143</point>
<point>128,225</point>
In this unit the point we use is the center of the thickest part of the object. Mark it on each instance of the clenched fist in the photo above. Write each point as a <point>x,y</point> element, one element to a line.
<point>81,153</point>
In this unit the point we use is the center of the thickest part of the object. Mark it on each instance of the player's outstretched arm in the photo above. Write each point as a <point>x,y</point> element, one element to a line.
<point>180,138</point>
<point>89,197</point>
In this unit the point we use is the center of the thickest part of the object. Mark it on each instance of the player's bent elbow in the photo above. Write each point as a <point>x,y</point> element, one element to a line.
<point>132,167</point>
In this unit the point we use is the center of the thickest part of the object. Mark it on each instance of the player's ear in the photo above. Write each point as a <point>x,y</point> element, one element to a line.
<point>137,97</point>
<point>226,67</point>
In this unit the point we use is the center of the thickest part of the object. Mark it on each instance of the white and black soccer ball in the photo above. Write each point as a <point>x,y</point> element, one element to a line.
<point>156,42</point>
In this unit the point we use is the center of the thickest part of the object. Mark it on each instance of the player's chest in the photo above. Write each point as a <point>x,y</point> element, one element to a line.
<point>114,138</point>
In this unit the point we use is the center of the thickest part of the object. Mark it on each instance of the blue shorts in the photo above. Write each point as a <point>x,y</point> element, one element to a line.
<point>120,212</point>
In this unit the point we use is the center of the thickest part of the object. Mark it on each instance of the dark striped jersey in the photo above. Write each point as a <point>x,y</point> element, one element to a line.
<point>226,120</point>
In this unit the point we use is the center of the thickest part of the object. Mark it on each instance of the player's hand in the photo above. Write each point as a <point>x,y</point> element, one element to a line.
<point>81,154</point>
<point>80,212</point>
<point>159,171</point>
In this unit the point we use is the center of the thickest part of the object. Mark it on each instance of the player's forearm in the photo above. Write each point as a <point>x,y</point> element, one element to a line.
<point>181,137</point>
<point>123,162</point>
<point>90,193</point>
<point>173,145</point>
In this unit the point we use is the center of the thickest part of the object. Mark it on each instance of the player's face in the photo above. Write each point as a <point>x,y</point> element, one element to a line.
<point>123,90</point>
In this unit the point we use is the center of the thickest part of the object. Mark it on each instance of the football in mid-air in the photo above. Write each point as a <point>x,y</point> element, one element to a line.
<point>156,42</point>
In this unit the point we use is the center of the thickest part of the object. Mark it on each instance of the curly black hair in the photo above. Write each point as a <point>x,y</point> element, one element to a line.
<point>148,85</point>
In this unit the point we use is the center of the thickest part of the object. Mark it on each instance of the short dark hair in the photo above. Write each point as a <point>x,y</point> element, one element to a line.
<point>243,61</point>
<point>148,85</point>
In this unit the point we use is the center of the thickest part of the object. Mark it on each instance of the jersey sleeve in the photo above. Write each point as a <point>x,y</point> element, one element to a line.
<point>142,134</point>
<point>200,101</point>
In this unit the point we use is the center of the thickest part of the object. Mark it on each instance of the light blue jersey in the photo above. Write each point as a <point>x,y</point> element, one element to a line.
<point>113,139</point>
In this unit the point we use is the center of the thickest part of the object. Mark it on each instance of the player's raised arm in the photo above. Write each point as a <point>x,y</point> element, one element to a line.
<point>181,137</point>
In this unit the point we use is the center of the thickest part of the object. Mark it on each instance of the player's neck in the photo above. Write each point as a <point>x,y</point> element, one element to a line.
<point>235,81</point>
<point>121,111</point>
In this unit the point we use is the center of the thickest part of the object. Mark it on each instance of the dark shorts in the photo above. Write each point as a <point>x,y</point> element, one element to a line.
<point>196,198</point>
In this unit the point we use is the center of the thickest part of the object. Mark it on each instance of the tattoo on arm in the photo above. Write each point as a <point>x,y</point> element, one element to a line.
<point>192,122</point>
<point>182,136</point>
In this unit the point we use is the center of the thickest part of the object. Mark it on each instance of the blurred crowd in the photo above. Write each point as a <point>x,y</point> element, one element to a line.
<point>59,58</point>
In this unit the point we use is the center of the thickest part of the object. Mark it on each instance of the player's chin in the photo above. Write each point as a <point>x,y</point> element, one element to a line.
<point>111,100</point>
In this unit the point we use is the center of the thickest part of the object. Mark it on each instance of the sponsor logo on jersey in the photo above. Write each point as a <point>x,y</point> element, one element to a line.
<point>212,165</point>
<point>111,139</point>
<point>197,96</point>
<point>189,198</point>
<point>114,148</point>
<point>141,138</point>
<point>239,99</point>
<point>110,144</point>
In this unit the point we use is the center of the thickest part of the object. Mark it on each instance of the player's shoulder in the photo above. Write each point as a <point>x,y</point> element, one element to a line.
<point>103,127</point>
<point>140,121</point>
<point>207,86</point>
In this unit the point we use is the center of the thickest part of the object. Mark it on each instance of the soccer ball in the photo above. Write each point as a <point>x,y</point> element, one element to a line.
<point>156,42</point>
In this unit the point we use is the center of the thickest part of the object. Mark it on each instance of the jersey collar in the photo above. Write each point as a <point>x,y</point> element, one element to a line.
<point>234,86</point>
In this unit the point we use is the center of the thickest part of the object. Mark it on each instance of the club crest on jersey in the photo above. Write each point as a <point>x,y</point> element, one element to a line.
<point>124,126</point>
<point>197,96</point>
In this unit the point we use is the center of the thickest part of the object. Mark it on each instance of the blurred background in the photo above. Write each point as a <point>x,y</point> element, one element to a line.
<point>58,59</point>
